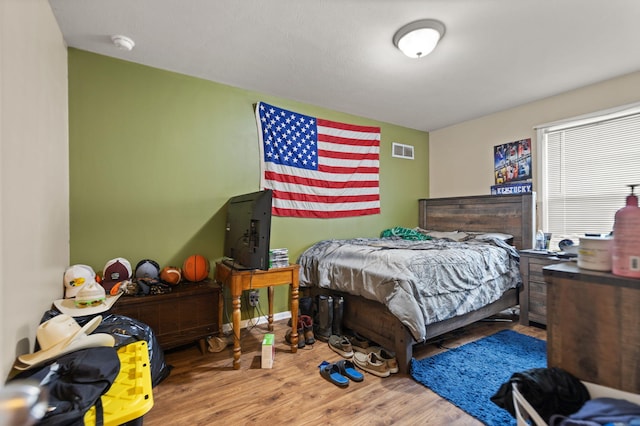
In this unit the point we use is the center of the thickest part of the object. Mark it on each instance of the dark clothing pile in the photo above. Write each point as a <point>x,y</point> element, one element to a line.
<point>561,399</point>
<point>549,391</point>
<point>74,383</point>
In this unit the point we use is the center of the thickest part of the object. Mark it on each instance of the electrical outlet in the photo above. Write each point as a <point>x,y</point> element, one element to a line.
<point>254,297</point>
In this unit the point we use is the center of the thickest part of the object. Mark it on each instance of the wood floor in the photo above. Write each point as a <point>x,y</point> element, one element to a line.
<point>204,389</point>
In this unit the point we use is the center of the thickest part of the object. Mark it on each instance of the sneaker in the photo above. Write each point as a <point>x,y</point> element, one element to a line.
<point>371,363</point>
<point>391,360</point>
<point>388,356</point>
<point>341,345</point>
<point>358,342</point>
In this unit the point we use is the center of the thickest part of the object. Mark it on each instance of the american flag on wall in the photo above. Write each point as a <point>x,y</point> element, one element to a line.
<point>318,168</point>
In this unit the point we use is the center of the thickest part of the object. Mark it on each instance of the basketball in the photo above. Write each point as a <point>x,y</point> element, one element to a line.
<point>171,275</point>
<point>195,268</point>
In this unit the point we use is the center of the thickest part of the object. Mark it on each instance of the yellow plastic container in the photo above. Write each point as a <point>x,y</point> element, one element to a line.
<point>130,396</point>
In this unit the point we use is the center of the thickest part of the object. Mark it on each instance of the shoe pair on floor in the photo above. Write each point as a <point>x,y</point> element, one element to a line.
<point>340,373</point>
<point>305,332</point>
<point>341,345</point>
<point>380,363</point>
<point>345,345</point>
<point>373,359</point>
<point>358,342</point>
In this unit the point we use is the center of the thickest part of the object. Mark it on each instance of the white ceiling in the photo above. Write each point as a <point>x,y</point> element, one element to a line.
<point>338,54</point>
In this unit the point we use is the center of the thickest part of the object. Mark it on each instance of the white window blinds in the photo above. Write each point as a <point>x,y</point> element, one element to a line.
<point>585,172</point>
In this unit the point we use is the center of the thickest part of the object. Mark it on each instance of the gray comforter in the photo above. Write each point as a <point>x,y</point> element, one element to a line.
<point>421,282</point>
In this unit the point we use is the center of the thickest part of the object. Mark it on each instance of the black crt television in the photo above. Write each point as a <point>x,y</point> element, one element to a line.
<point>248,231</point>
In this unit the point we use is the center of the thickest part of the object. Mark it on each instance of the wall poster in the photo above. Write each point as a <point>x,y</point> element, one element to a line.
<point>512,167</point>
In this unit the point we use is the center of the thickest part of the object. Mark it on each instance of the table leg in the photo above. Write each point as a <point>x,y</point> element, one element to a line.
<point>270,293</point>
<point>236,331</point>
<point>220,309</point>
<point>294,316</point>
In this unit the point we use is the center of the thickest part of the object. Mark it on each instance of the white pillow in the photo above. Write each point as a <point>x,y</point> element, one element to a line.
<point>498,235</point>
<point>450,235</point>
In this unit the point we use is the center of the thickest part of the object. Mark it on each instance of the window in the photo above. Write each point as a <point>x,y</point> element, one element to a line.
<point>585,167</point>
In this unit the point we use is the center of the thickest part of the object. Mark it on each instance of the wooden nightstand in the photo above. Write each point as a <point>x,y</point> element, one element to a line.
<point>188,314</point>
<point>533,297</point>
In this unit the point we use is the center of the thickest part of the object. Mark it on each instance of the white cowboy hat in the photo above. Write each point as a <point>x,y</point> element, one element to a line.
<point>61,335</point>
<point>90,300</point>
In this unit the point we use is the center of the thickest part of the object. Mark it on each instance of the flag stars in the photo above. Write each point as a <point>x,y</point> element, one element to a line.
<point>288,137</point>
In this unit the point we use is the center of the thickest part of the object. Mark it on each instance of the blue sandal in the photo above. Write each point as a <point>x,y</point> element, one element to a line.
<point>348,369</point>
<point>331,372</point>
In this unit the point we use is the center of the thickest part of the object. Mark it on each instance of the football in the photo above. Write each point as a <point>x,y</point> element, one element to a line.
<point>171,275</point>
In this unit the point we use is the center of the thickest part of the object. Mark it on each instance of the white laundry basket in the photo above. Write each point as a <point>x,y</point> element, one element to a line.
<point>524,410</point>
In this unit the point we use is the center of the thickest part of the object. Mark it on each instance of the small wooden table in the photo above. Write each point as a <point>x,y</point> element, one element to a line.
<point>238,281</point>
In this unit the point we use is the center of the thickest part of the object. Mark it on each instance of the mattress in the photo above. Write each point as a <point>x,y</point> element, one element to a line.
<point>421,282</point>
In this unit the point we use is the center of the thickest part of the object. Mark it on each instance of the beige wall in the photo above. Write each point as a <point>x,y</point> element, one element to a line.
<point>34,171</point>
<point>461,156</point>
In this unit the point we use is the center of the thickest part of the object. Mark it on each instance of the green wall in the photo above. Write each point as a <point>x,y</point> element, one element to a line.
<point>155,155</point>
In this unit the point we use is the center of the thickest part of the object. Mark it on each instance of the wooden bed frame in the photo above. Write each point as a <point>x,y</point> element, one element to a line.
<point>511,214</point>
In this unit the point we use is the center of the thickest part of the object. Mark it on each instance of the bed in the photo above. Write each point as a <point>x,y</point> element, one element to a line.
<point>383,297</point>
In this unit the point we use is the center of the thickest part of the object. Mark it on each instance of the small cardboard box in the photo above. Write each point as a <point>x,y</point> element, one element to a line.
<point>268,351</point>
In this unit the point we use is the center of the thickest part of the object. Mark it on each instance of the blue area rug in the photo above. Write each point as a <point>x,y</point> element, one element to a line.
<point>470,374</point>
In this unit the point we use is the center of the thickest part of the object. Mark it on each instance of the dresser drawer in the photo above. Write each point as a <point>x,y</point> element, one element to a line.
<point>533,298</point>
<point>538,302</point>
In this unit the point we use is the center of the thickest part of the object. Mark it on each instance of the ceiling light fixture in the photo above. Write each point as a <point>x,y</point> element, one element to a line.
<point>419,38</point>
<point>123,42</point>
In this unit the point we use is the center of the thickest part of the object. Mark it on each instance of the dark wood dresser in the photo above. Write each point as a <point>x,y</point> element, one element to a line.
<point>186,315</point>
<point>593,325</point>
<point>533,297</point>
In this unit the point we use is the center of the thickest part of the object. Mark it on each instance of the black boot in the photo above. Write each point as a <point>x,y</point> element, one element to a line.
<point>305,305</point>
<point>338,311</point>
<point>325,318</point>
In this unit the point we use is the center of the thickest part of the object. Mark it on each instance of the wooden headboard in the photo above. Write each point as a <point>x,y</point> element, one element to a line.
<point>510,214</point>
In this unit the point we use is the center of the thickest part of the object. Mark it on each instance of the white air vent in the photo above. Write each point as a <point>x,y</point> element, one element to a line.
<point>402,151</point>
